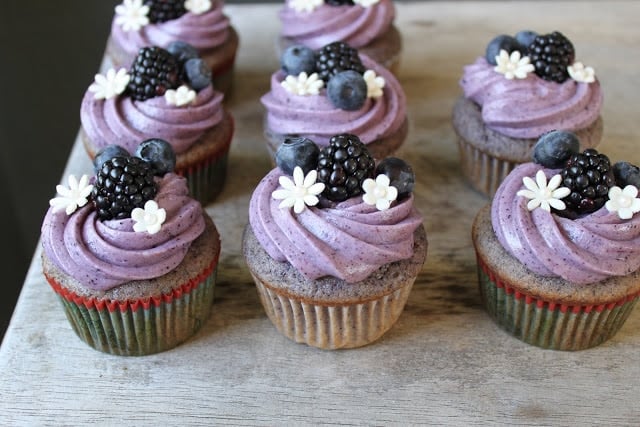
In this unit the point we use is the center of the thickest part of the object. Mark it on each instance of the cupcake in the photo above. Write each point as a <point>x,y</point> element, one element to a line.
<point>558,248</point>
<point>366,25</point>
<point>131,256</point>
<point>171,100</point>
<point>334,259</point>
<point>200,24</point>
<point>523,87</point>
<point>318,94</point>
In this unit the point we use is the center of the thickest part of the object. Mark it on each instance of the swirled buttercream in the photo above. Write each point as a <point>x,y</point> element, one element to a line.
<point>104,254</point>
<point>315,117</point>
<point>128,122</point>
<point>581,251</point>
<point>529,107</point>
<point>349,240</point>
<point>205,31</point>
<point>353,24</point>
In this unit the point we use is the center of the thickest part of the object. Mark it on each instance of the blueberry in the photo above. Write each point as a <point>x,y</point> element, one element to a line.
<point>159,153</point>
<point>626,174</point>
<point>347,90</point>
<point>400,174</point>
<point>182,51</point>
<point>107,153</point>
<point>297,151</point>
<point>500,42</point>
<point>298,58</point>
<point>198,73</point>
<point>525,38</point>
<point>554,148</point>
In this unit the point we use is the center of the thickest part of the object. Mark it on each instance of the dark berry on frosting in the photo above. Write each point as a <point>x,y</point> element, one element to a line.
<point>165,10</point>
<point>339,2</point>
<point>343,166</point>
<point>197,73</point>
<point>551,54</point>
<point>400,174</point>
<point>525,38</point>
<point>298,58</point>
<point>626,174</point>
<point>122,184</point>
<point>182,51</point>
<point>347,90</point>
<point>159,154</point>
<point>589,176</point>
<point>554,148</point>
<point>153,72</point>
<point>297,151</point>
<point>106,153</point>
<point>336,57</point>
<point>501,42</point>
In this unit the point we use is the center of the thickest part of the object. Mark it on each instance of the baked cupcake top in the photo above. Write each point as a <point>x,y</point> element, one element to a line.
<point>134,220</point>
<point>139,23</point>
<point>323,212</point>
<point>531,84</point>
<point>315,23</point>
<point>166,94</point>
<point>570,215</point>
<point>311,96</point>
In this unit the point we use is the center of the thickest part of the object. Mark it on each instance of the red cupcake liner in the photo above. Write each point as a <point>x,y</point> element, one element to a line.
<point>549,324</point>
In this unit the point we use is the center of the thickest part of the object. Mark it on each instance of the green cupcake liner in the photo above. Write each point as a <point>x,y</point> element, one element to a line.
<point>142,327</point>
<point>547,324</point>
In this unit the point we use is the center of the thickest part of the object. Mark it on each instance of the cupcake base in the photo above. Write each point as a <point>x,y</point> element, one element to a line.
<point>143,317</point>
<point>487,157</point>
<point>548,312</point>
<point>329,313</point>
<point>204,164</point>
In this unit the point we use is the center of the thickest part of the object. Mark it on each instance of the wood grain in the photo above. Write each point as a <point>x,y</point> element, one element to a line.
<point>444,362</point>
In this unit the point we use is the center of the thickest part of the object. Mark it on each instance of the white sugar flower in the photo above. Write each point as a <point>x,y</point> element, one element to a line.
<point>180,97</point>
<point>109,85</point>
<point>544,195</point>
<point>514,65</point>
<point>73,197</point>
<point>366,3</point>
<point>379,192</point>
<point>299,192</point>
<point>131,15</point>
<point>624,201</point>
<point>580,73</point>
<point>197,7</point>
<point>149,219</point>
<point>374,84</point>
<point>303,84</point>
<point>305,5</point>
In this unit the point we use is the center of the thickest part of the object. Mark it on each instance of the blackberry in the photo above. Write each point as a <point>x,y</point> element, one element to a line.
<point>343,166</point>
<point>339,2</point>
<point>153,72</point>
<point>336,57</point>
<point>165,10</point>
<point>551,54</point>
<point>122,184</point>
<point>589,176</point>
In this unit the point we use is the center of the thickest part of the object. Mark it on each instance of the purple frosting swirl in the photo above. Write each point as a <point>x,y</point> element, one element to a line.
<point>205,31</point>
<point>130,122</point>
<point>353,24</point>
<point>581,251</point>
<point>527,108</point>
<point>104,254</point>
<point>349,240</point>
<point>315,117</point>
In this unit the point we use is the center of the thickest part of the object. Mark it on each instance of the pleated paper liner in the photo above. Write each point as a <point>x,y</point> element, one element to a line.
<point>548,324</point>
<point>144,326</point>
<point>332,326</point>
<point>483,171</point>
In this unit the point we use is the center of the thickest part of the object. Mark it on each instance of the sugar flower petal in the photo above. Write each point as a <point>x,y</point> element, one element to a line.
<point>72,197</point>
<point>623,201</point>
<point>542,194</point>
<point>109,85</point>
<point>303,84</point>
<point>149,219</point>
<point>580,73</point>
<point>300,192</point>
<point>513,66</point>
<point>374,84</point>
<point>180,97</point>
<point>197,7</point>
<point>305,5</point>
<point>132,15</point>
<point>379,192</point>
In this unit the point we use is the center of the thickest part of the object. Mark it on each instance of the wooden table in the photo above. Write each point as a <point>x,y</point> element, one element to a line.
<point>444,362</point>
